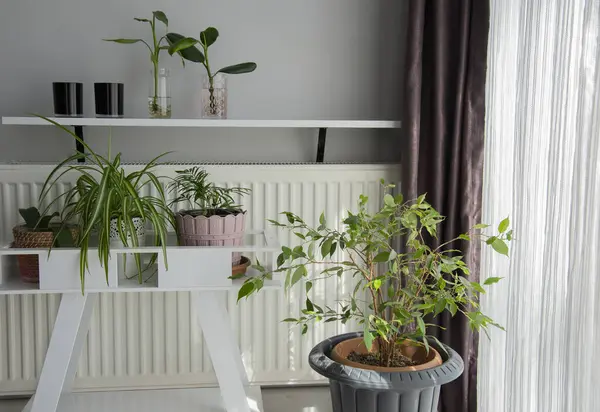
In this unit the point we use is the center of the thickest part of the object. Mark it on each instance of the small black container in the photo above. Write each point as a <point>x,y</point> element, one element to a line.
<point>109,99</point>
<point>68,99</point>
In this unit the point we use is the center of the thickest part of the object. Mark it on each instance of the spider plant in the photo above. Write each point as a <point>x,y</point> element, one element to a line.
<point>192,185</point>
<point>104,192</point>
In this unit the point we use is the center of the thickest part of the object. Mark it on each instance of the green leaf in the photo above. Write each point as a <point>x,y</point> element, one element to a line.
<point>304,329</point>
<point>491,280</point>
<point>391,292</point>
<point>464,236</point>
<point>368,337</point>
<point>239,68</point>
<point>311,250</point>
<point>287,252</point>
<point>191,54</point>
<point>376,284</point>
<point>332,249</point>
<point>245,290</point>
<point>500,246</point>
<point>399,199</point>
<point>142,20</point>
<point>503,226</point>
<point>452,307</point>
<point>298,274</point>
<point>424,306</point>
<point>421,325</point>
<point>182,44</point>
<point>309,286</point>
<point>326,247</point>
<point>491,240</point>
<point>382,257</point>
<point>480,226</point>
<point>509,235</point>
<point>440,306</point>
<point>31,216</point>
<point>209,36</point>
<point>389,200</point>
<point>290,320</point>
<point>322,220</point>
<point>309,305</point>
<point>280,260</point>
<point>160,16</point>
<point>124,41</point>
<point>478,287</point>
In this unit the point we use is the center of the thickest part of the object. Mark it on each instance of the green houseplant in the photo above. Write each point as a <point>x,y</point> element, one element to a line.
<point>159,104</point>
<point>215,98</point>
<point>396,292</point>
<point>209,204</point>
<point>39,232</point>
<point>108,206</point>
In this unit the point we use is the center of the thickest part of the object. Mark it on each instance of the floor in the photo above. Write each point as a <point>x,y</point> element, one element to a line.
<point>299,399</point>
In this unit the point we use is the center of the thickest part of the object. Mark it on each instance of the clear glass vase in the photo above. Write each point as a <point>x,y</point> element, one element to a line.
<point>214,97</point>
<point>159,94</point>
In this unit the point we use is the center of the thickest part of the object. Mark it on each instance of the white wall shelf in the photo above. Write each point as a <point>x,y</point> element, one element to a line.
<point>322,125</point>
<point>141,122</point>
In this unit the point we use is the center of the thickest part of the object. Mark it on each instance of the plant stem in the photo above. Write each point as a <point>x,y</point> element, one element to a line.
<point>155,97</point>
<point>155,64</point>
<point>211,82</point>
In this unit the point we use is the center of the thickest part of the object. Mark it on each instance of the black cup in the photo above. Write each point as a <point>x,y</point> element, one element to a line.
<point>109,99</point>
<point>68,99</point>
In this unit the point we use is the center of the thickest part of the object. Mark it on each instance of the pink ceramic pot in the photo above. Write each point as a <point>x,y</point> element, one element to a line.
<point>194,229</point>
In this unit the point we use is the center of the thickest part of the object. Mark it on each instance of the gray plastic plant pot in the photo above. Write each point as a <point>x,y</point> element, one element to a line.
<point>363,390</point>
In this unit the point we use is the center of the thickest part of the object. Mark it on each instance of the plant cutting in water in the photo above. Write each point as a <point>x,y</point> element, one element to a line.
<point>102,194</point>
<point>208,38</point>
<point>158,45</point>
<point>396,291</point>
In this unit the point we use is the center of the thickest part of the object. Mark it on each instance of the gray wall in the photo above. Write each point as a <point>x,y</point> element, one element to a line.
<point>333,59</point>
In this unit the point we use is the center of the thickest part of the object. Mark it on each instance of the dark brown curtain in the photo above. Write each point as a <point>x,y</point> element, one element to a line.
<point>442,153</point>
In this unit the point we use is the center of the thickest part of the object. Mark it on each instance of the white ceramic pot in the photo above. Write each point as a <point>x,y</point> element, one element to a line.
<point>126,261</point>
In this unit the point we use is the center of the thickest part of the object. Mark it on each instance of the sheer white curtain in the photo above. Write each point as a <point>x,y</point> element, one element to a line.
<point>542,168</point>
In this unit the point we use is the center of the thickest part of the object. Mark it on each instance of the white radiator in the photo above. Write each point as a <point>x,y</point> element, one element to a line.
<point>150,339</point>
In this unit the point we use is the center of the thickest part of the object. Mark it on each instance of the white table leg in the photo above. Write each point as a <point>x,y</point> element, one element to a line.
<point>224,352</point>
<point>70,329</point>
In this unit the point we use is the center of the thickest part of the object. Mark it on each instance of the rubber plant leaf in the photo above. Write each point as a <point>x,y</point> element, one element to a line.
<point>160,16</point>
<point>209,36</point>
<point>124,41</point>
<point>240,68</point>
<point>191,53</point>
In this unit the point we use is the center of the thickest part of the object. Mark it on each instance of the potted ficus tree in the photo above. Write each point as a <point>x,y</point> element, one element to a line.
<point>394,363</point>
<point>159,99</point>
<point>214,92</point>
<point>40,232</point>
<point>109,206</point>
<point>214,218</point>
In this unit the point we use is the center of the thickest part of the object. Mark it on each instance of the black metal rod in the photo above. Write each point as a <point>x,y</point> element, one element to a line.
<point>321,145</point>
<point>78,145</point>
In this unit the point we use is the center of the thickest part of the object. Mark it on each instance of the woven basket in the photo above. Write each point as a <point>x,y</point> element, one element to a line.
<point>26,239</point>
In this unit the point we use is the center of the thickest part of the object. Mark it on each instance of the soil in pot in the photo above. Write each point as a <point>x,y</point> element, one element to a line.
<point>374,359</point>
<point>213,212</point>
<point>410,356</point>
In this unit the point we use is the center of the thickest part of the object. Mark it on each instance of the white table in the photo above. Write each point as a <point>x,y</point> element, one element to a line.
<point>201,270</point>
